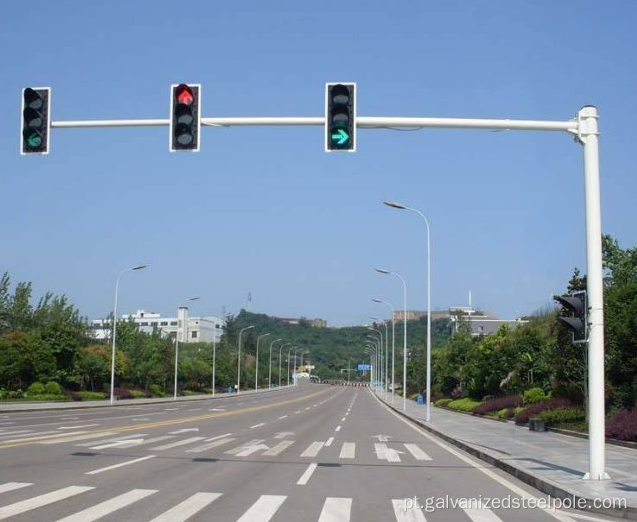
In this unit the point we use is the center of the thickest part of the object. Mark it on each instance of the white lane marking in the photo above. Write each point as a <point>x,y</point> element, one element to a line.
<point>217,409</point>
<point>263,509</point>
<point>182,442</point>
<point>141,419</point>
<point>407,515</point>
<point>210,445</point>
<point>249,450</point>
<point>336,509</point>
<point>348,450</point>
<point>482,515</point>
<point>80,435</point>
<point>307,474</point>
<point>313,449</point>
<point>118,444</point>
<point>154,439</point>
<point>109,506</point>
<point>77,427</point>
<point>477,465</point>
<point>10,486</point>
<point>41,500</point>
<point>417,452</point>
<point>297,412</point>
<point>121,464</point>
<point>113,439</point>
<point>383,452</point>
<point>381,438</point>
<point>283,417</point>
<point>257,425</point>
<point>9,433</point>
<point>7,439</point>
<point>343,419</point>
<point>280,447</point>
<point>338,428</point>
<point>183,430</point>
<point>307,408</point>
<point>328,442</point>
<point>171,409</point>
<point>186,509</point>
<point>283,434</point>
<point>218,437</point>
<point>240,448</point>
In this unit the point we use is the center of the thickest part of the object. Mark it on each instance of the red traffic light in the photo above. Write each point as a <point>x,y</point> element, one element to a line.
<point>184,94</point>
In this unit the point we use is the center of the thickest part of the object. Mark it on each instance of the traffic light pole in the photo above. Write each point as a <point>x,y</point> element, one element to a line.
<point>584,127</point>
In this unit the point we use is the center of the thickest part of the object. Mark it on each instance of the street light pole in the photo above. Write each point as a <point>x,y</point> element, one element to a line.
<point>383,271</point>
<point>280,350</point>
<point>393,348</point>
<point>256,373</point>
<point>380,350</point>
<point>270,364</point>
<point>138,267</point>
<point>239,359</point>
<point>399,206</point>
<point>386,351</point>
<point>185,327</point>
<point>288,376</point>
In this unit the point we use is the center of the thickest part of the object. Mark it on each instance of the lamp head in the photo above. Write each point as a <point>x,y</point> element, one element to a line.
<point>382,271</point>
<point>393,204</point>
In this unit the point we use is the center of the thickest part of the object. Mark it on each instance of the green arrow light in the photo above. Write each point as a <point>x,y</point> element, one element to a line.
<point>340,137</point>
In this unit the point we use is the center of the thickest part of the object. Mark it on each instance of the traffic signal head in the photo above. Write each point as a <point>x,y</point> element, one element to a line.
<point>36,121</point>
<point>577,322</point>
<point>340,117</point>
<point>185,121</point>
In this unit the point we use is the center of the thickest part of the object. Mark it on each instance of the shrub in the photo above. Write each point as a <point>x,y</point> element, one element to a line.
<point>37,388</point>
<point>559,416</point>
<point>138,394</point>
<point>155,389</point>
<point>506,413</point>
<point>122,393</point>
<point>465,404</point>
<point>534,395</point>
<point>523,415</point>
<point>48,397</point>
<point>622,425</point>
<point>441,403</point>
<point>53,388</point>
<point>510,401</point>
<point>437,396</point>
<point>15,394</point>
<point>89,396</point>
<point>188,393</point>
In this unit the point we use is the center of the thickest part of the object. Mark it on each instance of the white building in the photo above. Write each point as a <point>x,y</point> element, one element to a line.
<point>205,329</point>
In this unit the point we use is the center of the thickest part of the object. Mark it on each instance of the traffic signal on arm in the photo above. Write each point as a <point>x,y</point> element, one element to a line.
<point>575,304</point>
<point>36,120</point>
<point>340,117</point>
<point>185,121</point>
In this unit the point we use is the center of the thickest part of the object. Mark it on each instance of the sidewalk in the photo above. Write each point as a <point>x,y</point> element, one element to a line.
<point>551,462</point>
<point>18,406</point>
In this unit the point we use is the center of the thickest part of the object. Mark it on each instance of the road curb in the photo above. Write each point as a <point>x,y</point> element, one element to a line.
<point>544,485</point>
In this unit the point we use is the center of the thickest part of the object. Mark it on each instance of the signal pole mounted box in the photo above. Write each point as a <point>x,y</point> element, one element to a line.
<point>36,120</point>
<point>185,117</point>
<point>340,117</point>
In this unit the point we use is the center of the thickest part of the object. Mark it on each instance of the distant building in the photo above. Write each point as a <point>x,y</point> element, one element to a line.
<point>484,326</point>
<point>315,323</point>
<point>187,329</point>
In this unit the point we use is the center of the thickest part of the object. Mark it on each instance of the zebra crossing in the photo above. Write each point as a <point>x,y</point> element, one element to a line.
<point>261,509</point>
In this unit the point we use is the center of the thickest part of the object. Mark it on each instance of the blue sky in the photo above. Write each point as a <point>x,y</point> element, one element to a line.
<point>266,210</point>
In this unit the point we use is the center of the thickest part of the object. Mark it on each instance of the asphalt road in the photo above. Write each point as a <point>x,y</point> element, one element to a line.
<point>311,453</point>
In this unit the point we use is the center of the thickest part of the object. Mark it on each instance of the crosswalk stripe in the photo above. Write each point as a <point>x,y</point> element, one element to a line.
<point>328,442</point>
<point>482,515</point>
<point>348,450</point>
<point>336,509</point>
<point>41,500</point>
<point>407,515</point>
<point>121,464</point>
<point>149,441</point>
<point>239,449</point>
<point>383,452</point>
<point>111,439</point>
<point>210,445</point>
<point>307,474</point>
<point>417,452</point>
<point>186,509</point>
<point>25,435</point>
<point>81,435</point>
<point>182,442</point>
<point>263,509</point>
<point>280,447</point>
<point>11,486</point>
<point>108,506</point>
<point>313,449</point>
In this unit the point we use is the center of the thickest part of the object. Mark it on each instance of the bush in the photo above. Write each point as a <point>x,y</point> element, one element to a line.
<point>48,397</point>
<point>534,395</point>
<point>138,394</point>
<point>441,403</point>
<point>155,390</point>
<point>506,413</point>
<point>89,396</point>
<point>15,394</point>
<point>122,393</point>
<point>560,416</point>
<point>37,388</point>
<point>510,401</point>
<point>189,393</point>
<point>465,404</point>
<point>523,415</point>
<point>622,425</point>
<point>53,388</point>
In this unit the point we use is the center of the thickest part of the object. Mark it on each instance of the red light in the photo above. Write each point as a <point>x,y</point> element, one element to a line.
<point>184,95</point>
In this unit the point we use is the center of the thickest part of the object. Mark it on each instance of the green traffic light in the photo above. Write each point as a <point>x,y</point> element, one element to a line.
<point>34,141</point>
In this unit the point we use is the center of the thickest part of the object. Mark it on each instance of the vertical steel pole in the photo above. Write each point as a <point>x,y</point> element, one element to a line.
<point>214,359</point>
<point>114,336</point>
<point>404,345</point>
<point>428,394</point>
<point>588,133</point>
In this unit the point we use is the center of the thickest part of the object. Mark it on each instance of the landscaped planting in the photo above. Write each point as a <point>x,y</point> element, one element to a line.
<point>622,425</point>
<point>511,401</point>
<point>522,416</point>
<point>465,404</point>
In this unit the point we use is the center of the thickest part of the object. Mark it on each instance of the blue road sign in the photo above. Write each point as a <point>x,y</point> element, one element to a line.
<point>363,367</point>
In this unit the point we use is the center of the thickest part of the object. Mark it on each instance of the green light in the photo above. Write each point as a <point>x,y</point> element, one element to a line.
<point>34,140</point>
<point>340,136</point>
